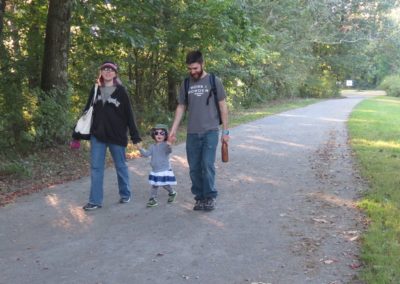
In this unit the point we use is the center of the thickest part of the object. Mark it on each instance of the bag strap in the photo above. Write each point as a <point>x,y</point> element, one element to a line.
<point>214,92</point>
<point>96,87</point>
<point>186,84</point>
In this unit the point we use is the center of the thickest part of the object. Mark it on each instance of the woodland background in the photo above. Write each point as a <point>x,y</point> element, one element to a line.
<point>263,50</point>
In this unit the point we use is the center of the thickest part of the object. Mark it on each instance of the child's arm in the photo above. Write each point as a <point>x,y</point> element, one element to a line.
<point>145,153</point>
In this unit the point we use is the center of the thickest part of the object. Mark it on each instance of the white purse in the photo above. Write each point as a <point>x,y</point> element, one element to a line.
<point>84,123</point>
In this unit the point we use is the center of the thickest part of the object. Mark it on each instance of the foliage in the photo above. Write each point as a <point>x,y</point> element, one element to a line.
<point>320,86</point>
<point>52,125</point>
<point>391,85</point>
<point>263,50</point>
<point>374,136</point>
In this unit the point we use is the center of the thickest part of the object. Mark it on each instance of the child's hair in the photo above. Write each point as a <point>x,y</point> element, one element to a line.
<point>159,127</point>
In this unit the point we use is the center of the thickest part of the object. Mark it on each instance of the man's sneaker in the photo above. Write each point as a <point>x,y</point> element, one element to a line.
<point>89,207</point>
<point>152,202</point>
<point>210,204</point>
<point>172,197</point>
<point>125,200</point>
<point>199,205</point>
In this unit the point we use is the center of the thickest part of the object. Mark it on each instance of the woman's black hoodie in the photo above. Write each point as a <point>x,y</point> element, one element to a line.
<point>113,119</point>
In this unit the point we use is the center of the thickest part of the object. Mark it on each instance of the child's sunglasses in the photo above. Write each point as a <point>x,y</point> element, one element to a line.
<point>159,132</point>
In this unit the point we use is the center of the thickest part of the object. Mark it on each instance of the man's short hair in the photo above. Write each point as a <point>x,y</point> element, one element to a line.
<point>194,57</point>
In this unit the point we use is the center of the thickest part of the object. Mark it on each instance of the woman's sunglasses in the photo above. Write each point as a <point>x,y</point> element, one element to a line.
<point>107,69</point>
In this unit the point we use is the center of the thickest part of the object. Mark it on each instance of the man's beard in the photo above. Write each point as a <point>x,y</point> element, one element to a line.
<point>197,75</point>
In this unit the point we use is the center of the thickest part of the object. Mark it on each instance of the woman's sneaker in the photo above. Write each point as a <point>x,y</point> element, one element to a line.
<point>124,200</point>
<point>152,202</point>
<point>89,207</point>
<point>172,197</point>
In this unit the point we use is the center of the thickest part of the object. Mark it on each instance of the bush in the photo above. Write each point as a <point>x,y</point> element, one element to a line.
<point>52,120</point>
<point>391,85</point>
<point>317,86</point>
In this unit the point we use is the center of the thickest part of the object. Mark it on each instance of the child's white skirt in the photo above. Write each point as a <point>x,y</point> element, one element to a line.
<point>162,178</point>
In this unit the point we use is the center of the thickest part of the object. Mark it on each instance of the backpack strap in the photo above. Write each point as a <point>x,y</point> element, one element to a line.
<point>186,84</point>
<point>214,92</point>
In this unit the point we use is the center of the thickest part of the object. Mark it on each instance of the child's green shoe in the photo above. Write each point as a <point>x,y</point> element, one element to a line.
<point>152,202</point>
<point>172,197</point>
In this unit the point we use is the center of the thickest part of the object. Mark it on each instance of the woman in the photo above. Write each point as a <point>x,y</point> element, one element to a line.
<point>112,117</point>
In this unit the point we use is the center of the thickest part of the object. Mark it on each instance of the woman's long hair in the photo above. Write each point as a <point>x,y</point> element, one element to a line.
<point>117,81</point>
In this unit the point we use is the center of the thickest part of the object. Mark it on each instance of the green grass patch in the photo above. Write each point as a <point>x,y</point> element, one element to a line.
<point>374,128</point>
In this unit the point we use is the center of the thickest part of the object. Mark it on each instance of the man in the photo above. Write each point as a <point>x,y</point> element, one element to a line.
<point>202,129</point>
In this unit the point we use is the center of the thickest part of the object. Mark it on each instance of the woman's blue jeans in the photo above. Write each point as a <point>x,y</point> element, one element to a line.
<point>97,161</point>
<point>201,150</point>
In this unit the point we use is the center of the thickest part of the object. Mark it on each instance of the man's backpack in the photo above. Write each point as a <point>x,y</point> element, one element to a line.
<point>213,92</point>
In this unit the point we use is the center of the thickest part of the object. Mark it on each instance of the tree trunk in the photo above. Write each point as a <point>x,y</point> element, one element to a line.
<point>171,81</point>
<point>2,10</point>
<point>55,60</point>
<point>34,46</point>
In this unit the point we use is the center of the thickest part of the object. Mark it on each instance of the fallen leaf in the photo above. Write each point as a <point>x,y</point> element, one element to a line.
<point>355,265</point>
<point>318,220</point>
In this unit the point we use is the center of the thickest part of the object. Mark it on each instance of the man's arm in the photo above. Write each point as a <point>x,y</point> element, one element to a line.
<point>224,117</point>
<point>180,110</point>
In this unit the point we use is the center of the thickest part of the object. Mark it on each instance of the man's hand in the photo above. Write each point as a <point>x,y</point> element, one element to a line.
<point>225,138</point>
<point>138,145</point>
<point>171,138</point>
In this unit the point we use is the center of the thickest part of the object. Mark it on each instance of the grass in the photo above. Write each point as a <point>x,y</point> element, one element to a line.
<point>374,128</point>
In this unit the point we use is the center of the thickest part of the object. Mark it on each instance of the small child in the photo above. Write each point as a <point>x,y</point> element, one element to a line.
<point>161,174</point>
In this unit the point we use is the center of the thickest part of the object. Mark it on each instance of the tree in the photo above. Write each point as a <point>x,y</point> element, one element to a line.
<point>56,48</point>
<point>2,10</point>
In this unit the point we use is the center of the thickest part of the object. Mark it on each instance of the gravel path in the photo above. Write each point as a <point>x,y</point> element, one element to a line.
<point>285,214</point>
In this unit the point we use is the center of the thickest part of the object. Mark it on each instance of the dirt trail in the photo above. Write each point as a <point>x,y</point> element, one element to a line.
<point>285,215</point>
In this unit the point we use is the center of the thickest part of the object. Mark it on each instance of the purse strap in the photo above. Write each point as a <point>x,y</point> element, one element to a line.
<point>96,86</point>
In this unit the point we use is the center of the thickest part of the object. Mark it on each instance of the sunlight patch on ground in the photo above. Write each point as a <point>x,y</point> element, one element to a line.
<point>371,93</point>
<point>362,120</point>
<point>180,160</point>
<point>79,215</point>
<point>213,221</point>
<point>332,199</point>
<point>332,119</point>
<point>291,115</point>
<point>388,101</point>
<point>258,180</point>
<point>365,110</point>
<point>52,200</point>
<point>250,147</point>
<point>318,118</point>
<point>287,143</point>
<point>64,220</point>
<point>378,143</point>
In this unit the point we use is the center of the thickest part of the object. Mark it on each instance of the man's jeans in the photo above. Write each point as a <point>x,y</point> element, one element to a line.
<point>200,151</point>
<point>98,154</point>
